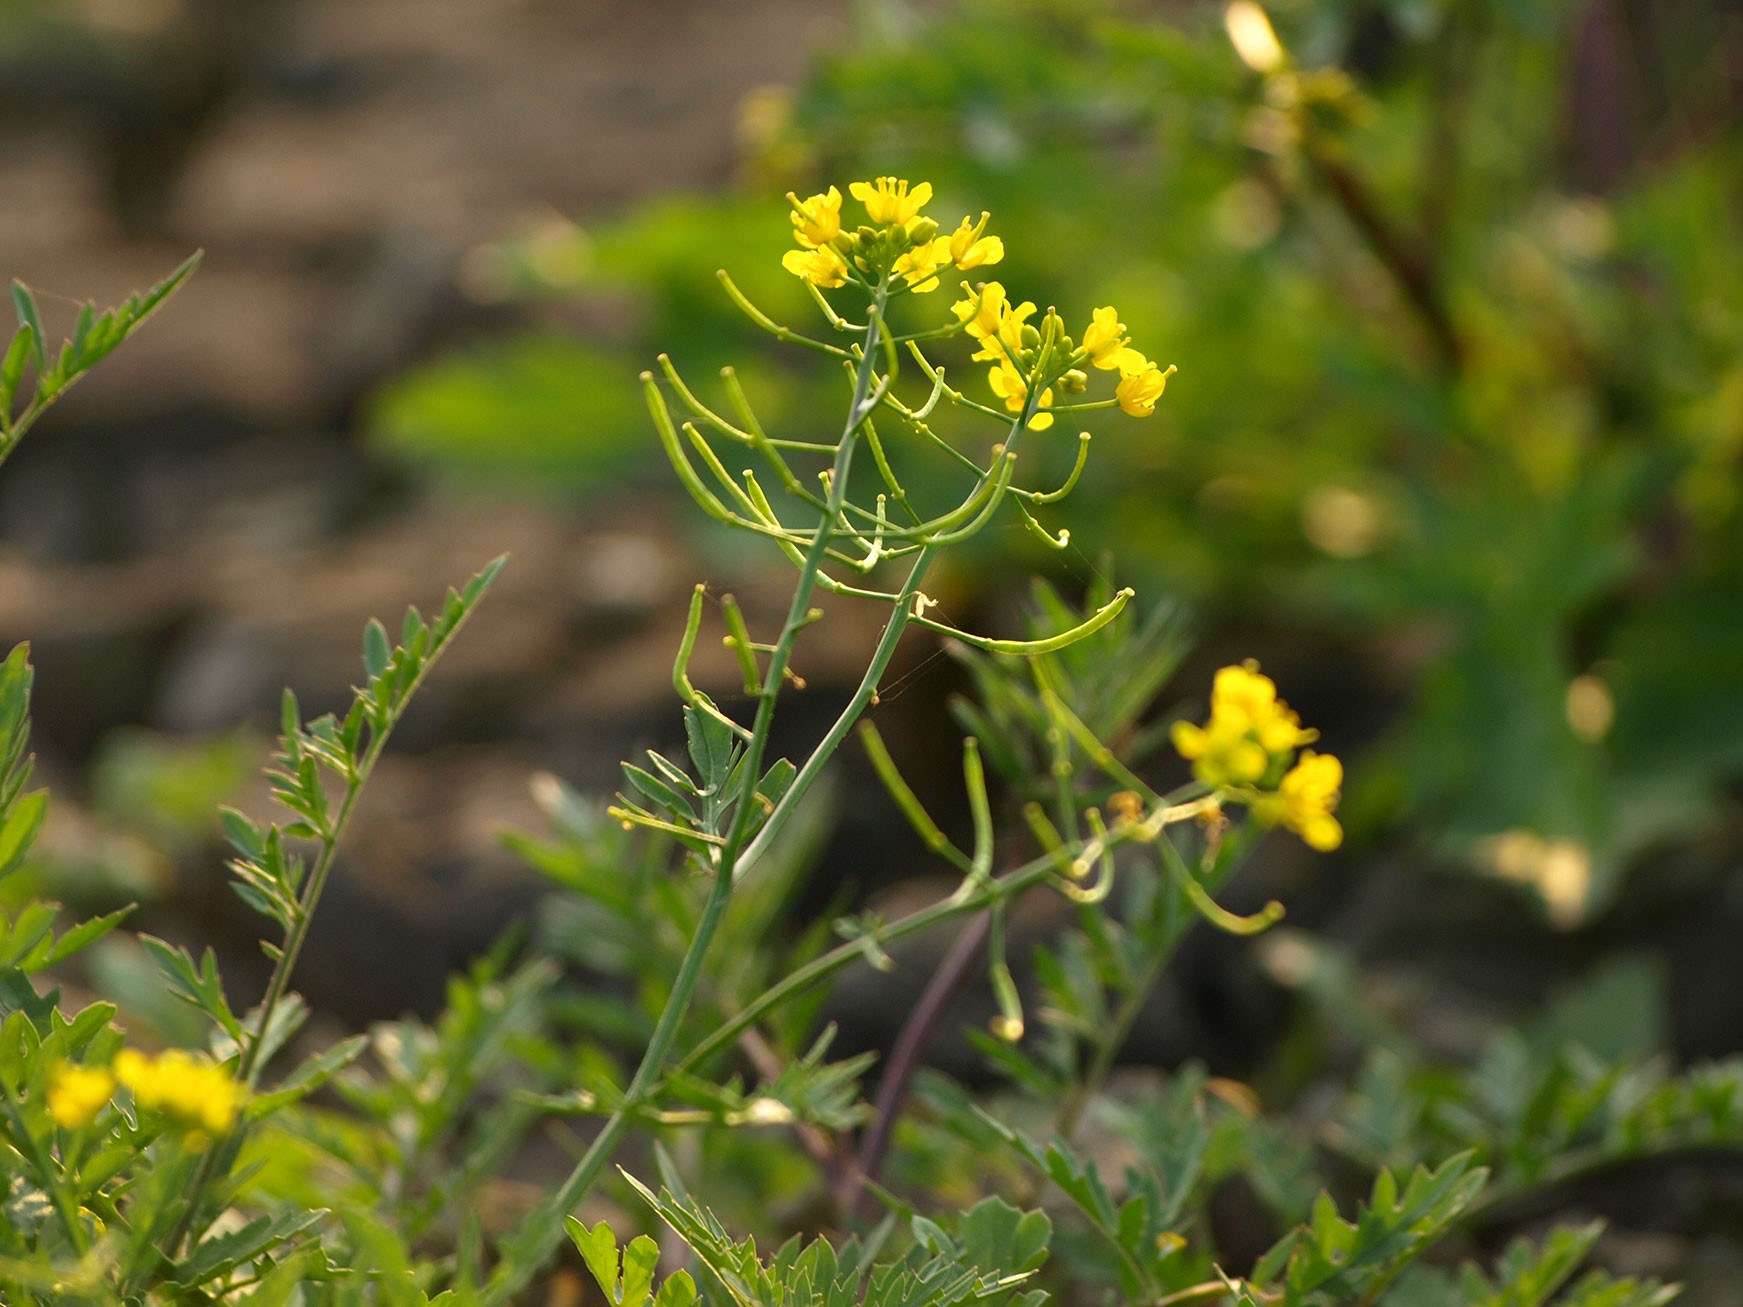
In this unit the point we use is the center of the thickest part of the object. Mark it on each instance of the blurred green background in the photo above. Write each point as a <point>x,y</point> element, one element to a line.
<point>1454,292</point>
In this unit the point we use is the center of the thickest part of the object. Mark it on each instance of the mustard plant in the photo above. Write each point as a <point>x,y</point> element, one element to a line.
<point>202,1176</point>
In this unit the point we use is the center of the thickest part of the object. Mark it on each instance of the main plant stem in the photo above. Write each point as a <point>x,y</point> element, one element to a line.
<point>523,1256</point>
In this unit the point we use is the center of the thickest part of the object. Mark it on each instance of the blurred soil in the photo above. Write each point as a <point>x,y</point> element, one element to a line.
<point>196,526</point>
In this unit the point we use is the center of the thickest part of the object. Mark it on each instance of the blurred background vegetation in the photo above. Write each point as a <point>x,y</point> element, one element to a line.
<point>1455,447</point>
<point>1454,294</point>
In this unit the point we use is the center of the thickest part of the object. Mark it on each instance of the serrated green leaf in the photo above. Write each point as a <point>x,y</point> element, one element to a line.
<point>711,750</point>
<point>27,933</point>
<point>376,650</point>
<point>18,995</point>
<point>678,1290</point>
<point>290,723</point>
<point>321,1067</point>
<point>12,366</point>
<point>640,1260</point>
<point>997,1236</point>
<point>657,791</point>
<point>81,332</point>
<point>19,830</point>
<point>24,303</point>
<point>199,986</point>
<point>85,934</point>
<point>226,1252</point>
<point>598,1249</point>
<point>244,835</point>
<point>485,578</point>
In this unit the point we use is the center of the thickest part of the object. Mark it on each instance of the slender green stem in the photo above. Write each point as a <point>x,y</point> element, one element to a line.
<point>1186,908</point>
<point>901,616</point>
<point>249,1066</point>
<point>544,1228</point>
<point>827,964</point>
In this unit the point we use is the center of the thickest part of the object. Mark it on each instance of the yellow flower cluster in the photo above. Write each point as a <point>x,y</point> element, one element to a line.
<point>1107,347</point>
<point>1249,745</point>
<point>899,242</point>
<point>1014,346</point>
<point>1010,342</point>
<point>903,250</point>
<point>196,1095</point>
<point>77,1093</point>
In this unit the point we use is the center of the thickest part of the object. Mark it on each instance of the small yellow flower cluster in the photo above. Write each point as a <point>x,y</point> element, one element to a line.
<point>903,250</point>
<point>196,1095</point>
<point>77,1093</point>
<point>899,242</point>
<point>1109,348</point>
<point>1249,745</point>
<point>1014,346</point>
<point>1006,338</point>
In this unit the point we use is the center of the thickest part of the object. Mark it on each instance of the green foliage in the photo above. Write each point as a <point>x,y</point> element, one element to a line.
<point>1529,1276</point>
<point>1481,447</point>
<point>522,413</point>
<point>1333,1260</point>
<point>113,1201</point>
<point>986,1259</point>
<point>628,1282</point>
<point>95,336</point>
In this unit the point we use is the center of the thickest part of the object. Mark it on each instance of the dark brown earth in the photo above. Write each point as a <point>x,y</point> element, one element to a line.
<point>195,526</point>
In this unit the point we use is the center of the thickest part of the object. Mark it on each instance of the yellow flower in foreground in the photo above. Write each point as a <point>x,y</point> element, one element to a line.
<point>821,267</point>
<point>919,266</point>
<point>197,1095</point>
<point>77,1093</point>
<point>1248,744</point>
<point>817,220</point>
<point>1249,728</point>
<point>1009,385</point>
<point>1142,386</point>
<point>970,249</point>
<point>1304,801</point>
<point>991,320</point>
<point>1107,344</point>
<point>981,313</point>
<point>888,201</point>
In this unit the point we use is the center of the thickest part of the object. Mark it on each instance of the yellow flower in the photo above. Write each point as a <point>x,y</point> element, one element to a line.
<point>970,249</point>
<point>991,320</point>
<point>817,220</point>
<point>1142,385</point>
<point>197,1095</point>
<point>1304,801</point>
<point>1009,385</point>
<point>1108,346</point>
<point>1248,744</point>
<point>1249,729</point>
<point>1220,752</point>
<point>77,1093</point>
<point>821,267</point>
<point>919,266</point>
<point>888,202</point>
<point>981,313</point>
